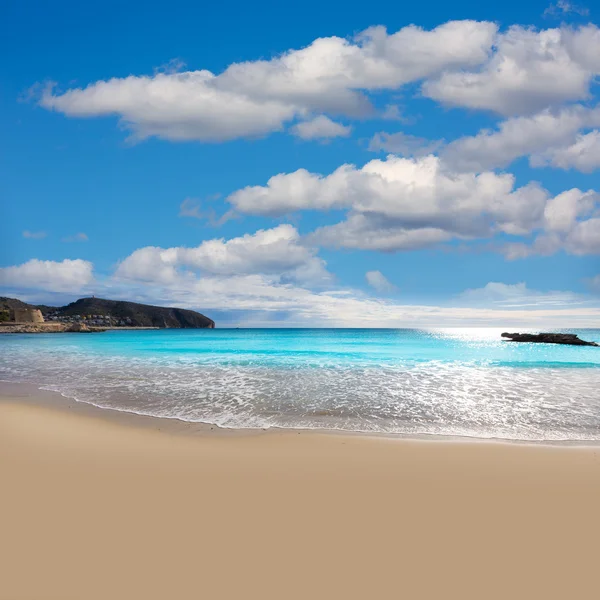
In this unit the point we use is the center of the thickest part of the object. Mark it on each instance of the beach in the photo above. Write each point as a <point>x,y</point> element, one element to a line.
<point>100,506</point>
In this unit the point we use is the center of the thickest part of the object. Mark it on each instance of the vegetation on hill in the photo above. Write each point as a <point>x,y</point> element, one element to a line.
<point>136,315</point>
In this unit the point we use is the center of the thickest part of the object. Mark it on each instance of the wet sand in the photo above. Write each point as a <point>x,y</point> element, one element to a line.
<point>96,506</point>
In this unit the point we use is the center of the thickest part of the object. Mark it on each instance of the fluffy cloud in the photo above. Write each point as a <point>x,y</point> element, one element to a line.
<point>174,106</point>
<point>406,204</point>
<point>320,128</point>
<point>258,97</point>
<point>569,223</point>
<point>47,275</point>
<point>462,63</point>
<point>378,281</point>
<point>276,252</point>
<point>550,136</point>
<point>528,71</point>
<point>583,154</point>
<point>400,203</point>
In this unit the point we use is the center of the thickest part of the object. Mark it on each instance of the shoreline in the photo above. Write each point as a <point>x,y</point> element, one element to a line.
<point>121,508</point>
<point>35,395</point>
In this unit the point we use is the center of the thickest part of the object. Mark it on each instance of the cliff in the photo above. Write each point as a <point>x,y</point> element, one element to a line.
<point>133,313</point>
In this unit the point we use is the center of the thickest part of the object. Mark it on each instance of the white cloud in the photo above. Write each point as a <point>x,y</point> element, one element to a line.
<point>277,252</point>
<point>583,154</point>
<point>406,204</point>
<point>259,97</point>
<point>174,106</point>
<point>518,295</point>
<point>78,237</point>
<point>320,128</point>
<point>462,63</point>
<point>562,211</point>
<point>269,301</point>
<point>584,238</point>
<point>400,203</point>
<point>373,232</point>
<point>563,7</point>
<point>378,281</point>
<point>403,144</point>
<point>528,71</point>
<point>34,235</point>
<point>47,275</point>
<point>548,136</point>
<point>566,225</point>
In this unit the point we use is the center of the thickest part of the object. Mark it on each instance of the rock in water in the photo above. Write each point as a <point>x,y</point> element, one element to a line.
<point>548,338</point>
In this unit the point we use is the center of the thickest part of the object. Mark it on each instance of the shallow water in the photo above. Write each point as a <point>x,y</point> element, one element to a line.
<point>464,382</point>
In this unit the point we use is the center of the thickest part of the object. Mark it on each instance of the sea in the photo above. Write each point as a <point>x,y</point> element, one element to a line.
<point>464,382</point>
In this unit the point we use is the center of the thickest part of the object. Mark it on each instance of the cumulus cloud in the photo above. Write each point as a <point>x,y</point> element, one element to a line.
<point>34,235</point>
<point>466,63</point>
<point>569,223</point>
<point>378,281</point>
<point>258,97</point>
<point>406,204</point>
<point>320,128</point>
<point>174,106</point>
<point>47,275</point>
<point>400,203</point>
<point>583,154</point>
<point>549,137</point>
<point>277,252</point>
<point>528,71</point>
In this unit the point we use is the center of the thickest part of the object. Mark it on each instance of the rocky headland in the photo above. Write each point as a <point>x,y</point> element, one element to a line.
<point>95,314</point>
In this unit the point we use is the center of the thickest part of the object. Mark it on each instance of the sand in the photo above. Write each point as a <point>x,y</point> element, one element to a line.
<point>95,508</point>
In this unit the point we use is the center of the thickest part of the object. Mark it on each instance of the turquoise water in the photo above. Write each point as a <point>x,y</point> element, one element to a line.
<point>464,382</point>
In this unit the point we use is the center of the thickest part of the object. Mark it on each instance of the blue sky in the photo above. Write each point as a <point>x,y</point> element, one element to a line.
<point>192,154</point>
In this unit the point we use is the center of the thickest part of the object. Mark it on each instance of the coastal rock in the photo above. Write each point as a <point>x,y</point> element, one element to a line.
<point>569,339</point>
<point>79,327</point>
<point>47,328</point>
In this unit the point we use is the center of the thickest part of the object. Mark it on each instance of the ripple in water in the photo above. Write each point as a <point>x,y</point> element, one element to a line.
<point>346,386</point>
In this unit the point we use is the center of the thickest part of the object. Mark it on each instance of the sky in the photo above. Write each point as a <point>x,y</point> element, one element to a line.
<point>306,164</point>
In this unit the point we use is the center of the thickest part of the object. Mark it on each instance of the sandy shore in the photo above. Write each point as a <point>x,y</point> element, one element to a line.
<point>94,508</point>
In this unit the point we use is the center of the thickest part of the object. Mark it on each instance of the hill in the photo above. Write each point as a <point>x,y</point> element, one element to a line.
<point>132,313</point>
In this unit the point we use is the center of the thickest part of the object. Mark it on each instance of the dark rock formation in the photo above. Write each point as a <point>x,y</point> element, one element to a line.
<point>548,338</point>
<point>134,314</point>
<point>141,315</point>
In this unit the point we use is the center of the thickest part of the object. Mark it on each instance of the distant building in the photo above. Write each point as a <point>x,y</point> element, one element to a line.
<point>28,315</point>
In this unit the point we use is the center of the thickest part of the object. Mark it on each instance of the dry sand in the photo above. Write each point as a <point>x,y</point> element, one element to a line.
<point>103,509</point>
